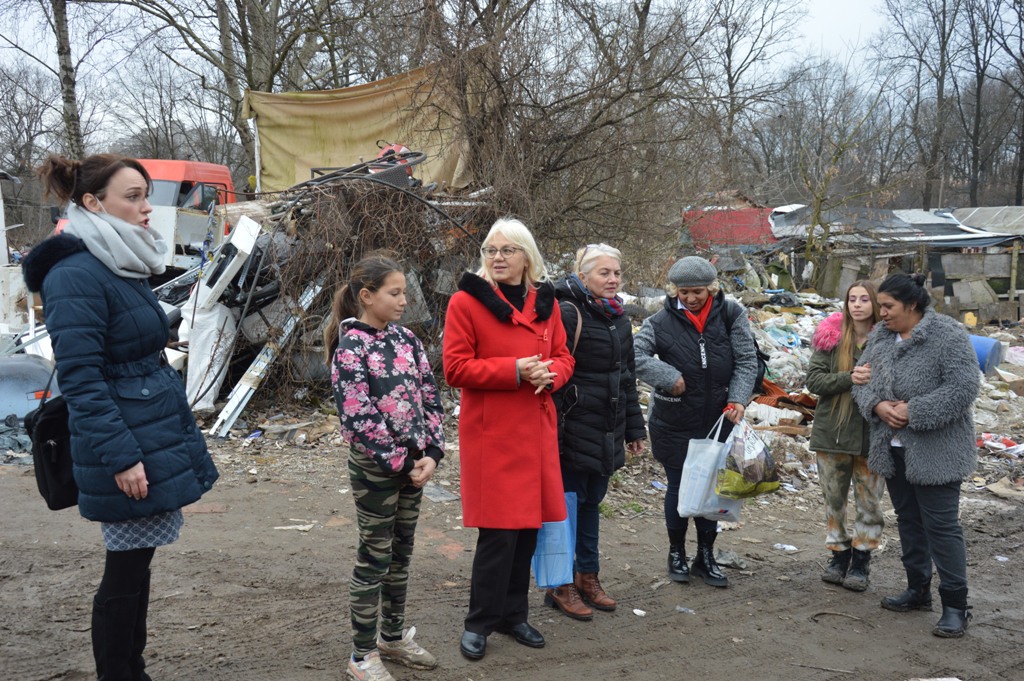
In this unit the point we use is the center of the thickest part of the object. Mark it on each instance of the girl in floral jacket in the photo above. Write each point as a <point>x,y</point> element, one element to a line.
<point>391,413</point>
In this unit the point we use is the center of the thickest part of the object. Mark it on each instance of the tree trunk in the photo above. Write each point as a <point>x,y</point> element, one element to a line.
<point>976,140</point>
<point>68,80</point>
<point>232,87</point>
<point>1018,194</point>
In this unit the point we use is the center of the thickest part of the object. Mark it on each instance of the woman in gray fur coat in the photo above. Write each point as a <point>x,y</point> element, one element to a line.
<point>924,379</point>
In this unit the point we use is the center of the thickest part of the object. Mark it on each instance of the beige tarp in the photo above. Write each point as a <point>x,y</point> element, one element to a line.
<point>336,128</point>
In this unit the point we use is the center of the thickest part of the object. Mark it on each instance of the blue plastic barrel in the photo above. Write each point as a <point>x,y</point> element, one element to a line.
<point>988,351</point>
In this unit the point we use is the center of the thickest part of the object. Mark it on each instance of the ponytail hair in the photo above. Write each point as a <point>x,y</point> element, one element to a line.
<point>368,273</point>
<point>908,289</point>
<point>70,179</point>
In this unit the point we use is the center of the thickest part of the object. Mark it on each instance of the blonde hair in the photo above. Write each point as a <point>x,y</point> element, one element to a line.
<point>588,255</point>
<point>516,232</point>
<point>847,341</point>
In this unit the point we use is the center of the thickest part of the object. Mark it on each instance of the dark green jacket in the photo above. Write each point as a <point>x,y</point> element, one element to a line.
<point>828,383</point>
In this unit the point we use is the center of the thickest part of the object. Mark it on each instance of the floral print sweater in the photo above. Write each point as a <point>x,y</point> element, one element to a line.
<point>388,401</point>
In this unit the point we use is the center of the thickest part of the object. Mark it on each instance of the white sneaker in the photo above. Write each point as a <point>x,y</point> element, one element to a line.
<point>406,652</point>
<point>370,669</point>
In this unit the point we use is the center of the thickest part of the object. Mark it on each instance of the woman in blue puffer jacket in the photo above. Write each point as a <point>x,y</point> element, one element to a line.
<point>138,455</point>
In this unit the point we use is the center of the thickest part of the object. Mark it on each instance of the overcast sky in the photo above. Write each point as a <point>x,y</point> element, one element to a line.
<point>833,26</point>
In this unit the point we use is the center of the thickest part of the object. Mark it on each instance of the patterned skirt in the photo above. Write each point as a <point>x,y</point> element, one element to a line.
<point>143,533</point>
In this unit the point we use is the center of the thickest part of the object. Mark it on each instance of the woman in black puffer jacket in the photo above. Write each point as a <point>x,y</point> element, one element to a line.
<point>599,412</point>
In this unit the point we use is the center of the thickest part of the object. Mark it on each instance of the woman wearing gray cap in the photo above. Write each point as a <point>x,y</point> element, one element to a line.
<point>698,355</point>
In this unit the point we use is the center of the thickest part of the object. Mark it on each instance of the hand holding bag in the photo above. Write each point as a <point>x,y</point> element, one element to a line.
<point>556,549</point>
<point>697,498</point>
<point>47,427</point>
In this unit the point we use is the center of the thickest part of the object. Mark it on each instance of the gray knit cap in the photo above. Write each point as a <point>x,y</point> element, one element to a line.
<point>692,271</point>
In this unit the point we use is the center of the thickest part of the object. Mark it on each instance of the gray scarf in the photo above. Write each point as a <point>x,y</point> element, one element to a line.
<point>127,250</point>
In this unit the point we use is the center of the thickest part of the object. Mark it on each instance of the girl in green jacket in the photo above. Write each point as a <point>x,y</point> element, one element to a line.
<point>840,437</point>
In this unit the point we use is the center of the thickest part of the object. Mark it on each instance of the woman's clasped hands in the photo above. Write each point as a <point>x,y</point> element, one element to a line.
<point>534,371</point>
<point>893,413</point>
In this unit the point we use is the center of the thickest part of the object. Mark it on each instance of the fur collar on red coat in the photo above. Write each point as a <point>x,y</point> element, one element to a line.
<point>479,288</point>
<point>829,331</point>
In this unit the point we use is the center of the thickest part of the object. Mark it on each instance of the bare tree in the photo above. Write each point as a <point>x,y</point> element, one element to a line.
<point>923,43</point>
<point>31,100</point>
<point>571,111</point>
<point>1009,33</point>
<point>260,45</point>
<point>95,26</point>
<point>971,78</point>
<point>739,71</point>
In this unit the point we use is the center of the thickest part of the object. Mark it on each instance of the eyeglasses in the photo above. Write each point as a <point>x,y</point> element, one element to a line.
<point>490,252</point>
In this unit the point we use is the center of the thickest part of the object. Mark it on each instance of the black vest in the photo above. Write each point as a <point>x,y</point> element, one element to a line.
<point>704,359</point>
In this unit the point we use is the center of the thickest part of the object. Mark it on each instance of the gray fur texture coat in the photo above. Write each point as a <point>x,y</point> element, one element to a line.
<point>936,373</point>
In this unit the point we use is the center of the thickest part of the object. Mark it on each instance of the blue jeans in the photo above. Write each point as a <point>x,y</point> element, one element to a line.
<point>590,489</point>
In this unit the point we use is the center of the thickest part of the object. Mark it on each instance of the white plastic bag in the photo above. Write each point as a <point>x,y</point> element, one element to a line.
<point>697,498</point>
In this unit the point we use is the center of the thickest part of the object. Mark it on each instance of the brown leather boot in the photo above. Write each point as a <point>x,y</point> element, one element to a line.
<point>590,589</point>
<point>567,599</point>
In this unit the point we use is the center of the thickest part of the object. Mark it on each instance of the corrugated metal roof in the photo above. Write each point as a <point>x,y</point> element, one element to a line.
<point>1008,219</point>
<point>916,216</point>
<point>878,226</point>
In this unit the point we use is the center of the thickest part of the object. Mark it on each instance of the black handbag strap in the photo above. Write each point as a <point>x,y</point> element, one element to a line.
<point>46,392</point>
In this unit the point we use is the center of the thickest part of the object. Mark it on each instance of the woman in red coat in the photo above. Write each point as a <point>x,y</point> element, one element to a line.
<point>504,346</point>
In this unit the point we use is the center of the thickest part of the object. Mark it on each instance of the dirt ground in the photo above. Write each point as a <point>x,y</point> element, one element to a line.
<point>256,588</point>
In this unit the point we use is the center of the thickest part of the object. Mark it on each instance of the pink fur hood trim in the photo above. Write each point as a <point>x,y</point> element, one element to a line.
<point>830,330</point>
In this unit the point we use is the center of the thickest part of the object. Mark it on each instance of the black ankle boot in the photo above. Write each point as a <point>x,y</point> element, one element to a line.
<point>860,567</point>
<point>835,571</point>
<point>678,571</point>
<point>916,597</point>
<point>956,614</point>
<point>704,564</point>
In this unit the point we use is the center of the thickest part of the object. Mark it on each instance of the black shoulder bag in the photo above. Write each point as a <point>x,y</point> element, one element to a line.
<point>47,426</point>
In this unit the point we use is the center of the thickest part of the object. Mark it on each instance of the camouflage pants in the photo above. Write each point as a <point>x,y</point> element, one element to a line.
<point>387,508</point>
<point>836,472</point>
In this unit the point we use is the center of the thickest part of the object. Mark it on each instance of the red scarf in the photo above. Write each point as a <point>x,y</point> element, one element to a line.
<point>699,320</point>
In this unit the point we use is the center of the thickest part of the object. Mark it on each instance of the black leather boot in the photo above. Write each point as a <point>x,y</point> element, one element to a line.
<point>918,596</point>
<point>113,628</point>
<point>860,567</point>
<point>835,571</point>
<point>956,614</point>
<point>678,570</point>
<point>137,663</point>
<point>704,564</point>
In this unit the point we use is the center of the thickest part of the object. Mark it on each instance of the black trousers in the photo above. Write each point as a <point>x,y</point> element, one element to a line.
<point>673,522</point>
<point>500,584</point>
<point>929,527</point>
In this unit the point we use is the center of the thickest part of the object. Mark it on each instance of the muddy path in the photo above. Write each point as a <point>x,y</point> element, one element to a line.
<point>237,599</point>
